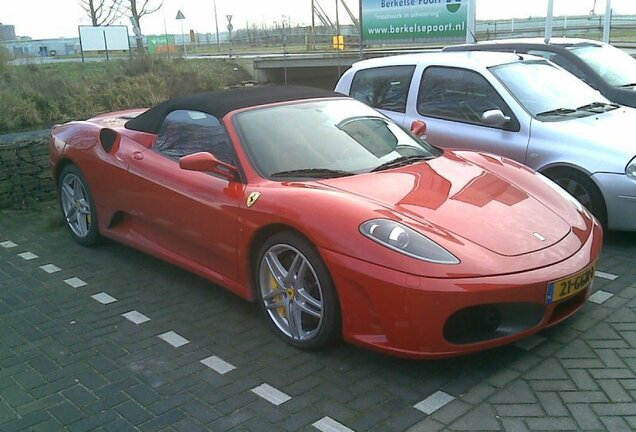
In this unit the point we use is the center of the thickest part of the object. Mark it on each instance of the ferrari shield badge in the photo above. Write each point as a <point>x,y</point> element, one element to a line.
<point>252,198</point>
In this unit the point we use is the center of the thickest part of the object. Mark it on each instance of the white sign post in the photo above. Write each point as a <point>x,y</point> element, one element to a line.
<point>180,17</point>
<point>230,27</point>
<point>471,21</point>
<point>548,22</point>
<point>608,21</point>
<point>106,38</point>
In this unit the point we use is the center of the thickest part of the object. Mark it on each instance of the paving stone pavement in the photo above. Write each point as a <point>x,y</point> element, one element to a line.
<point>80,350</point>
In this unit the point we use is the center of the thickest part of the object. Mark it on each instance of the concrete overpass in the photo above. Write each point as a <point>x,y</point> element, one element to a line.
<point>324,69</point>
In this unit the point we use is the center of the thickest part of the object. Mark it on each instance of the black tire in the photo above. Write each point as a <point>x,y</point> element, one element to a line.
<point>319,331</point>
<point>86,234</point>
<point>581,187</point>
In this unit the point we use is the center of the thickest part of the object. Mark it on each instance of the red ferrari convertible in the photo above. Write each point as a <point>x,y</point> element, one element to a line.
<point>336,220</point>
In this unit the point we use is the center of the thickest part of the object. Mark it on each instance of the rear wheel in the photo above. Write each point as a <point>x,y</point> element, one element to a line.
<point>78,208</point>
<point>584,190</point>
<point>296,292</point>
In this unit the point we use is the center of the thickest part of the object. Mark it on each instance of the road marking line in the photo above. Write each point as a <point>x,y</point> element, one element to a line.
<point>50,268</point>
<point>8,244</point>
<point>174,339</point>
<point>219,365</point>
<point>103,298</point>
<point>75,282</point>
<point>433,402</point>
<point>271,394</point>
<point>604,275</point>
<point>600,297</point>
<point>136,317</point>
<point>327,424</point>
<point>28,256</point>
<point>530,342</point>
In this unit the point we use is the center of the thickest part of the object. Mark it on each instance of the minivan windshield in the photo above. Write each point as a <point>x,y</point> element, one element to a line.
<point>326,138</point>
<point>616,67</point>
<point>549,93</point>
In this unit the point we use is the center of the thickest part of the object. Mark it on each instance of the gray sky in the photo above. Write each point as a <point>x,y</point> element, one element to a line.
<point>59,18</point>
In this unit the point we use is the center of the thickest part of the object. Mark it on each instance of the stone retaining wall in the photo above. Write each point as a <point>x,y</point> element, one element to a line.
<point>25,172</point>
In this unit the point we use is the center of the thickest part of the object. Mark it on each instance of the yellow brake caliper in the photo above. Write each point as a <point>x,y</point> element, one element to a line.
<point>274,286</point>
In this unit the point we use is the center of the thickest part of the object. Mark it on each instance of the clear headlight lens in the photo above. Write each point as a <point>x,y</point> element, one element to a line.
<point>631,169</point>
<point>565,194</point>
<point>407,241</point>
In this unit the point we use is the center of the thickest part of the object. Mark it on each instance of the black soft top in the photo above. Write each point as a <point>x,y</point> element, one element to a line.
<point>220,103</point>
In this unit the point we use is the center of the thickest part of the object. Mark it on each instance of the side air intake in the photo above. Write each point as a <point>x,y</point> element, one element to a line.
<point>108,138</point>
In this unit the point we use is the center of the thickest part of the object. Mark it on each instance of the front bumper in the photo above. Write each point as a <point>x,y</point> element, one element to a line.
<point>619,192</point>
<point>406,315</point>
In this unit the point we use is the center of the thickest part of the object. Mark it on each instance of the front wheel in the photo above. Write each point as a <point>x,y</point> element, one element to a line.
<point>296,292</point>
<point>78,208</point>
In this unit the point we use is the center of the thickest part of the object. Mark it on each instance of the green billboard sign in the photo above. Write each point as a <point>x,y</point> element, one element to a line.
<point>160,44</point>
<point>413,20</point>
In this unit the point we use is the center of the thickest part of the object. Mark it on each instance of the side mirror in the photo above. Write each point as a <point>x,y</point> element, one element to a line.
<point>494,118</point>
<point>418,128</point>
<point>206,162</point>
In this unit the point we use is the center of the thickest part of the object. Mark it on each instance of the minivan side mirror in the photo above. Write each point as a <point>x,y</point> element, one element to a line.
<point>207,162</point>
<point>494,118</point>
<point>418,128</point>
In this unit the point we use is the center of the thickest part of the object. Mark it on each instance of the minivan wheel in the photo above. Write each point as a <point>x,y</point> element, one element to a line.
<point>581,187</point>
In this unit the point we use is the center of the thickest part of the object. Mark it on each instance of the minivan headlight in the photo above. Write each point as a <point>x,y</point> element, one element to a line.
<point>407,241</point>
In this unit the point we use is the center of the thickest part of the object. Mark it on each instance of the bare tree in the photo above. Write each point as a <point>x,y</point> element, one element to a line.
<point>102,12</point>
<point>139,9</point>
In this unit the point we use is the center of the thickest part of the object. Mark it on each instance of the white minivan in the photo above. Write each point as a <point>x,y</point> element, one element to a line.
<point>519,106</point>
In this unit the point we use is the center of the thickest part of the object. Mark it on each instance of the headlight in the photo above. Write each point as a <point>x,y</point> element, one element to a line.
<point>631,169</point>
<point>565,194</point>
<point>405,240</point>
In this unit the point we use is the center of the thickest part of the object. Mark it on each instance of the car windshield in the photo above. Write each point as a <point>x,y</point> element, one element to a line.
<point>327,138</point>
<point>547,92</point>
<point>616,67</point>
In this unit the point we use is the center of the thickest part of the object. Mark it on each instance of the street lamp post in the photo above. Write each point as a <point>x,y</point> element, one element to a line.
<point>216,24</point>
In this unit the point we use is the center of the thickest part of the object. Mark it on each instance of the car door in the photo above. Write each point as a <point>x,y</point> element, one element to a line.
<point>192,215</point>
<point>452,100</point>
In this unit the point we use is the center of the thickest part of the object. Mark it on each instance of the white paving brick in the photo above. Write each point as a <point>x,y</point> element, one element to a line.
<point>136,317</point>
<point>600,297</point>
<point>219,365</point>
<point>75,282</point>
<point>530,342</point>
<point>604,275</point>
<point>271,394</point>
<point>50,268</point>
<point>433,402</point>
<point>104,298</point>
<point>8,244</point>
<point>327,424</point>
<point>27,256</point>
<point>174,339</point>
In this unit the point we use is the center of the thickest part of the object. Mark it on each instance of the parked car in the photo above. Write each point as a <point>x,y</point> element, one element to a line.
<point>519,106</point>
<point>602,66</point>
<point>333,218</point>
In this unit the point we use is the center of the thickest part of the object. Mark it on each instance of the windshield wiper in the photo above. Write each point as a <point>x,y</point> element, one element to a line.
<point>558,111</point>
<point>312,173</point>
<point>594,105</point>
<point>401,161</point>
<point>628,85</point>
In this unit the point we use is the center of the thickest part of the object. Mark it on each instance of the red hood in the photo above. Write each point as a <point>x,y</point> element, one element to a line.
<point>467,200</point>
